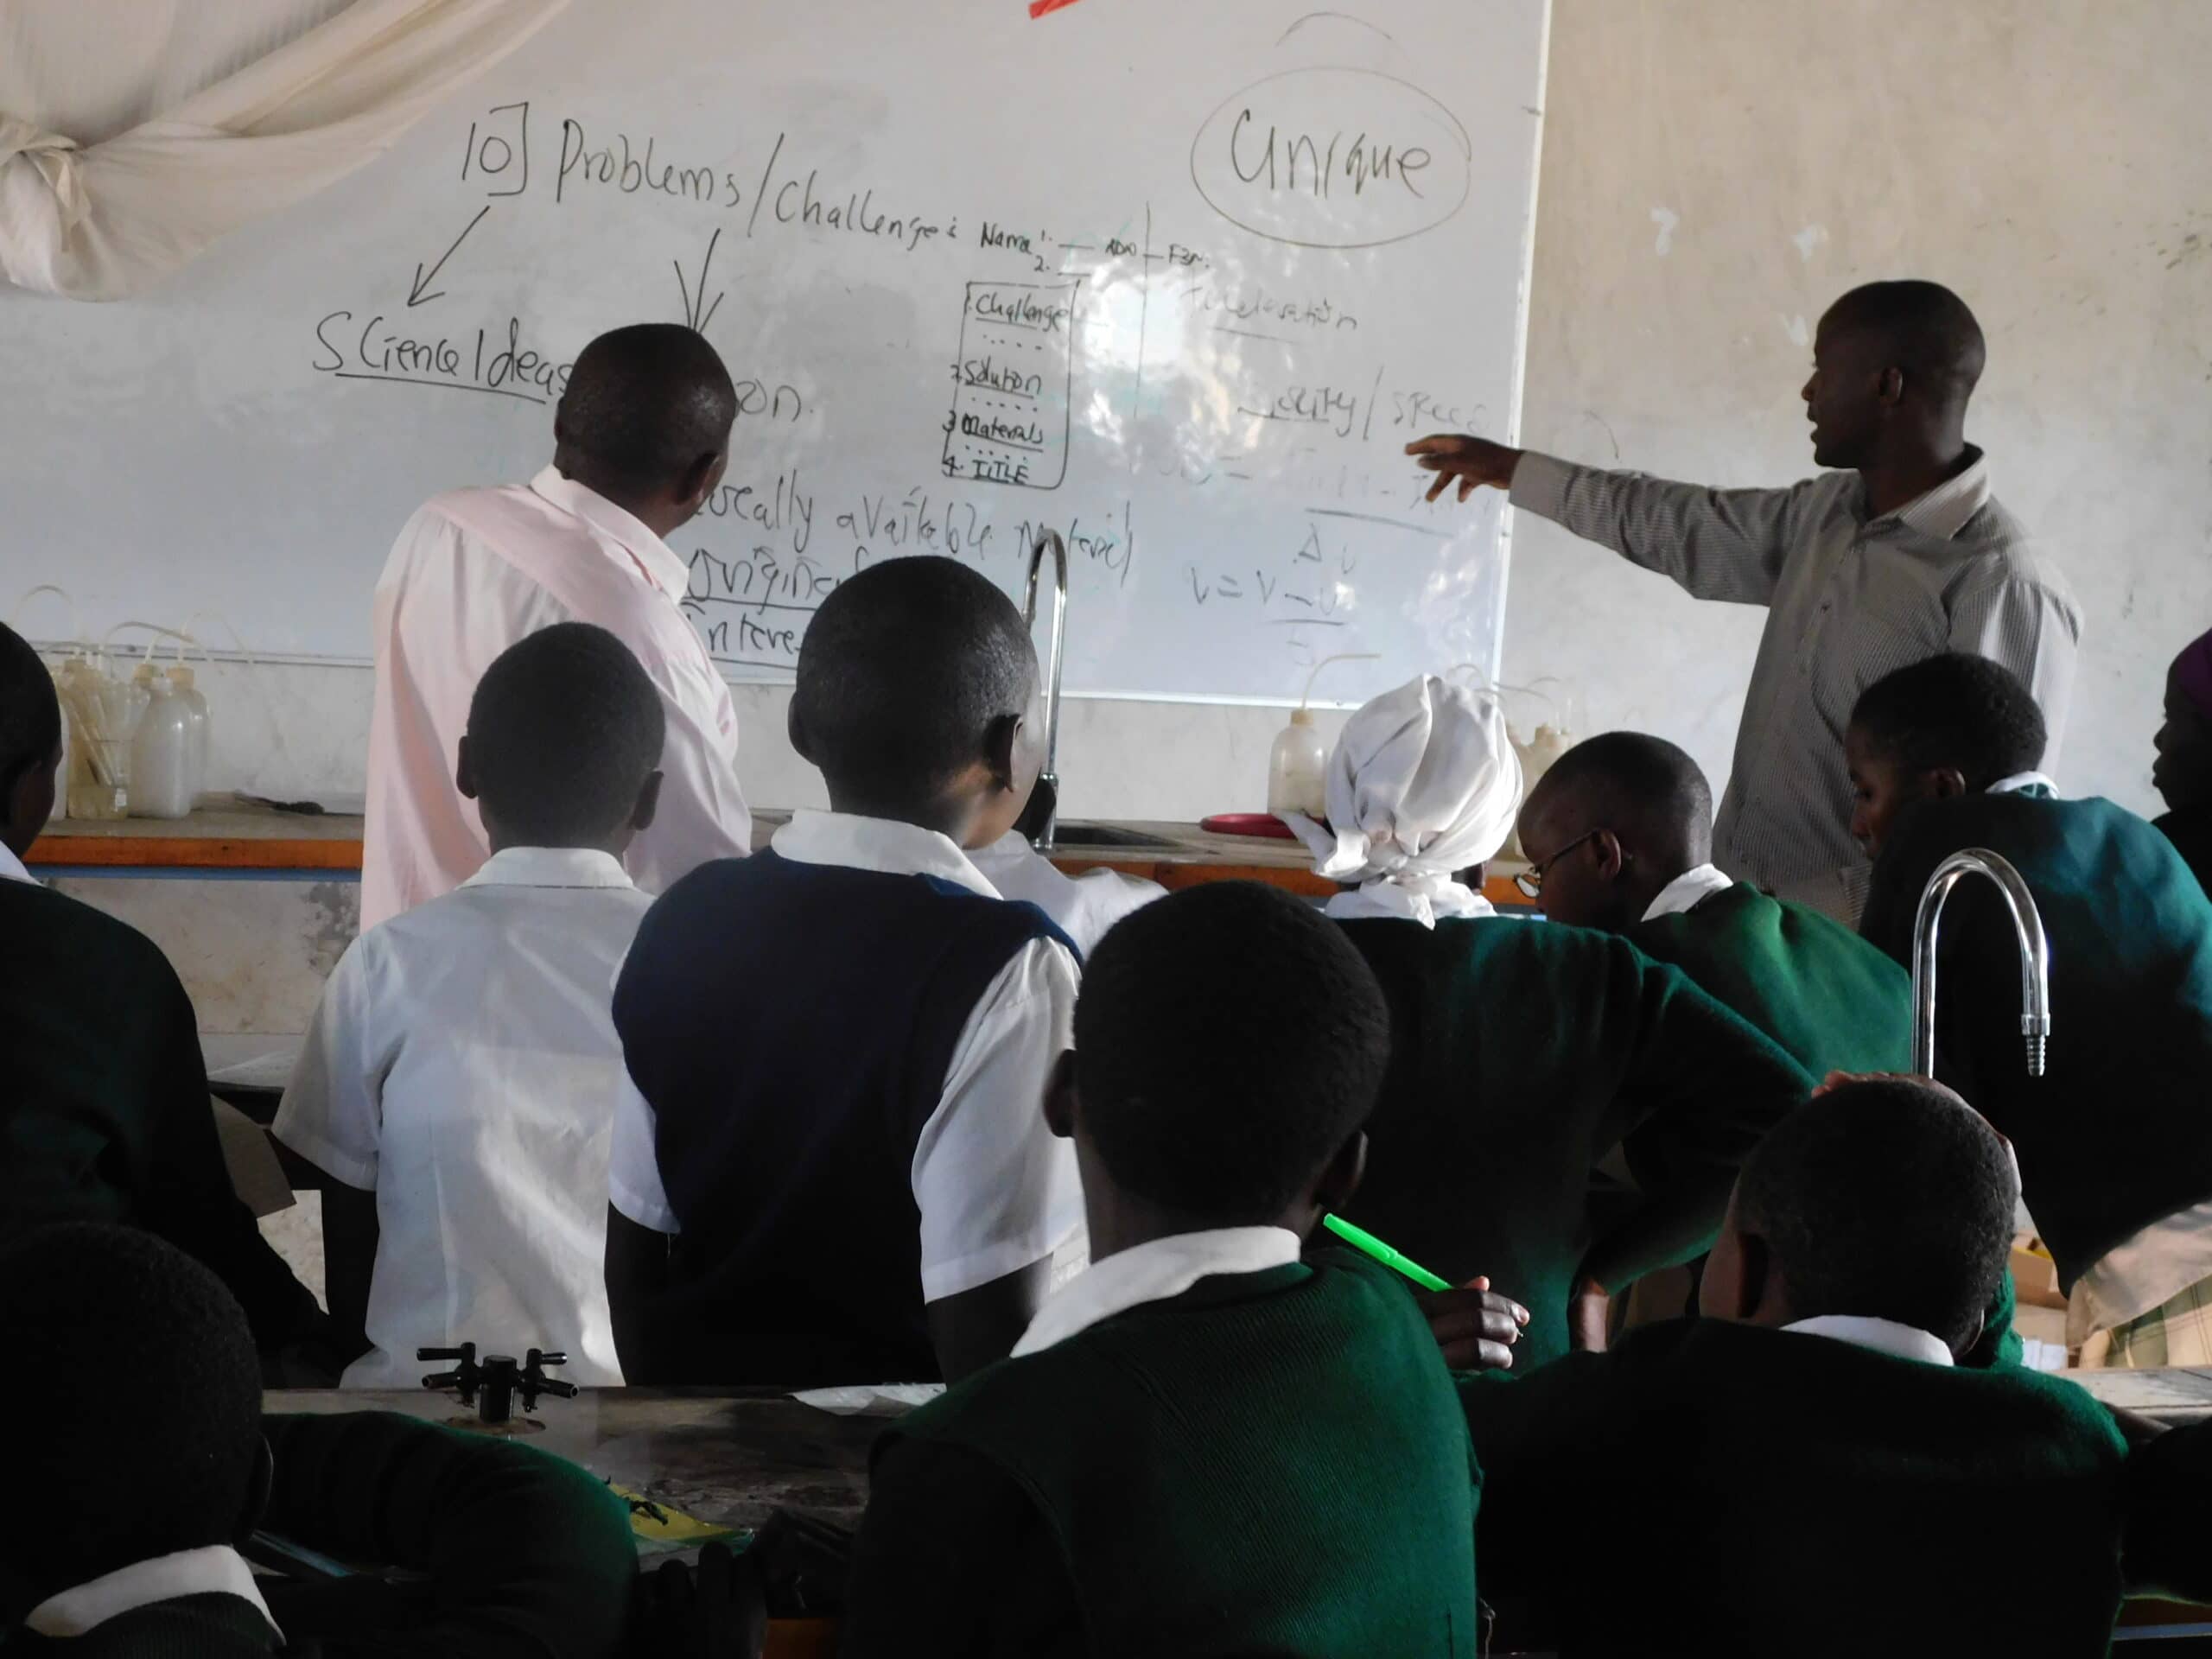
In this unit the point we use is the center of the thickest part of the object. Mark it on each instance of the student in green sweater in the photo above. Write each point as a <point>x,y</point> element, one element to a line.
<point>1202,1444</point>
<point>1805,1471</point>
<point>2115,1139</point>
<point>2182,772</point>
<point>1621,830</point>
<point>1522,1052</point>
<point>141,1461</point>
<point>105,1112</point>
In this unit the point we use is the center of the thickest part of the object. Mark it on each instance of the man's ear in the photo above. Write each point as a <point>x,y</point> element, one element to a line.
<point>464,771</point>
<point>1342,1175</point>
<point>1611,857</point>
<point>1943,783</point>
<point>699,479</point>
<point>1001,739</point>
<point>1889,388</point>
<point>1756,1285</point>
<point>648,807</point>
<point>794,730</point>
<point>1061,1103</point>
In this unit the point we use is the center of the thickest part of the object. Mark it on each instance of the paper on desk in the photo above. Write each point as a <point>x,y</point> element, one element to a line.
<point>870,1400</point>
<point>270,1069</point>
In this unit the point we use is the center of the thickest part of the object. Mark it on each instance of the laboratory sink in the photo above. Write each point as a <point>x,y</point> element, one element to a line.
<point>1071,835</point>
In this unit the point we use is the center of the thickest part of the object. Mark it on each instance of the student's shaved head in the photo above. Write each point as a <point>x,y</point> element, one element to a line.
<point>645,406</point>
<point>1922,328</point>
<point>1643,794</point>
<point>30,741</point>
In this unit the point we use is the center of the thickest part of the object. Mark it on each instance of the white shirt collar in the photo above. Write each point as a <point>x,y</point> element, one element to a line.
<point>11,868</point>
<point>2022,782</point>
<point>550,867</point>
<point>215,1568</point>
<point>879,845</point>
<point>1882,1336</point>
<point>1942,512</point>
<point>1685,889</point>
<point>661,566</point>
<point>1153,1272</point>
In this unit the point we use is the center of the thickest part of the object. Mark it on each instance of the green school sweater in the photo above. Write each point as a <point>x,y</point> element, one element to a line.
<point>103,1103</point>
<point>1521,1053</point>
<point>2118,1132</point>
<point>1725,1490</point>
<point>519,1554</point>
<point>1269,1463</point>
<point>1832,1000</point>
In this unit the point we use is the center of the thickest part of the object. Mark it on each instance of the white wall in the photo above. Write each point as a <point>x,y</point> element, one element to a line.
<point>1715,172</point>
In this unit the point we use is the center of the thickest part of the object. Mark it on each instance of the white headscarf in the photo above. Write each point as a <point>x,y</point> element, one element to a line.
<point>1423,783</point>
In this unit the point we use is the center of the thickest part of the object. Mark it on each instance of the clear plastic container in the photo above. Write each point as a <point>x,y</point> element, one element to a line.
<point>103,713</point>
<point>1298,769</point>
<point>182,682</point>
<point>162,751</point>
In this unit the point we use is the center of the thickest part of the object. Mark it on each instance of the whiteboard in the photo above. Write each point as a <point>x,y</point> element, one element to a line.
<point>1177,280</point>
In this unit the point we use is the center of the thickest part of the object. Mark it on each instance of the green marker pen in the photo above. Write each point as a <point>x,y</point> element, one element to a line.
<point>1366,1243</point>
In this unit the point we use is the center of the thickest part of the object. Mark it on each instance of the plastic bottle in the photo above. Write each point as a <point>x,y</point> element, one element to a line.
<point>161,751</point>
<point>182,682</point>
<point>1298,765</point>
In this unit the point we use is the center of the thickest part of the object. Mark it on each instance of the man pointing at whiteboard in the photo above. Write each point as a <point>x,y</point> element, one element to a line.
<point>1899,554</point>
<point>641,437</point>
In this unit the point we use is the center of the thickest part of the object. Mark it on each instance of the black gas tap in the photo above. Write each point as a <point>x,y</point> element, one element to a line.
<point>498,1381</point>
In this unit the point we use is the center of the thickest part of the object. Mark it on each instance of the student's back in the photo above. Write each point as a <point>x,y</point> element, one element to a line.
<point>1521,1053</point>
<point>1832,1000</point>
<point>2118,1132</point>
<point>1201,1444</point>
<point>1722,1489</point>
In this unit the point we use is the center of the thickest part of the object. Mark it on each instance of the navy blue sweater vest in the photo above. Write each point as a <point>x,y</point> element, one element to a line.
<point>790,1024</point>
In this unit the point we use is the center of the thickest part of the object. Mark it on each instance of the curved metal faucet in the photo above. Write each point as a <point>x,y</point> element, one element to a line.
<point>1043,825</point>
<point>2035,954</point>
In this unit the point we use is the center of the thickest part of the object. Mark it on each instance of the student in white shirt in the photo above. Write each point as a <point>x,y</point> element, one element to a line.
<point>1086,906</point>
<point>833,1167</point>
<point>459,1085</point>
<point>641,440</point>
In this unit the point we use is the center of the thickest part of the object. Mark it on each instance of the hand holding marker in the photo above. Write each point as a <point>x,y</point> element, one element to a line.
<point>1475,1327</point>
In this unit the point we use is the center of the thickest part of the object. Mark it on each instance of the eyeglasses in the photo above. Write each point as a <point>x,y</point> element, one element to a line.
<point>1531,881</point>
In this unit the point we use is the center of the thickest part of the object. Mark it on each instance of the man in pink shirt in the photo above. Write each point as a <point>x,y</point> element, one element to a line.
<point>640,440</point>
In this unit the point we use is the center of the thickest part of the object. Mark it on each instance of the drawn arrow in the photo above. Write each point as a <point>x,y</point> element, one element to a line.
<point>415,294</point>
<point>697,314</point>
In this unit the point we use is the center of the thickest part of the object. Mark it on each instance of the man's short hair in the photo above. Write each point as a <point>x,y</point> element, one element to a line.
<point>903,669</point>
<point>1927,330</point>
<point>30,713</point>
<point>1228,1040</point>
<point>645,403</point>
<point>134,1392</point>
<point>1887,1199</point>
<point>563,731</point>
<point>1956,712</point>
<point>1641,787</point>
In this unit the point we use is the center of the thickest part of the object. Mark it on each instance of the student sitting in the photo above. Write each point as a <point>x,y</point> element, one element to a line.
<point>143,1461</point>
<point>1201,1444</point>
<point>1804,1470</point>
<point>1522,1053</point>
<point>2183,771</point>
<point>105,1115</point>
<point>831,1167</point>
<point>2115,1140</point>
<point>458,1085</point>
<point>1620,834</point>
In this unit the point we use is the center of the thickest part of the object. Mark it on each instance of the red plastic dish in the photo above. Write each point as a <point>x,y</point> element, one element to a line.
<point>1263,825</point>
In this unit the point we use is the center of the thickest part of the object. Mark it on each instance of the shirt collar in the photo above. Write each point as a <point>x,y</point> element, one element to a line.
<point>11,868</point>
<point>658,564</point>
<point>213,1569</point>
<point>882,844</point>
<point>550,867</point>
<point>2033,784</point>
<point>1684,892</point>
<point>1942,512</point>
<point>1880,1336</point>
<point>1153,1272</point>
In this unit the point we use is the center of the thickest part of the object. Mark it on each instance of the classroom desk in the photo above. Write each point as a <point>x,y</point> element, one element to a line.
<point>227,838</point>
<point>728,1457</point>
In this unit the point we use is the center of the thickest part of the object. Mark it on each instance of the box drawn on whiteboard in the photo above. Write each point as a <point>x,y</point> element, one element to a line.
<point>1013,385</point>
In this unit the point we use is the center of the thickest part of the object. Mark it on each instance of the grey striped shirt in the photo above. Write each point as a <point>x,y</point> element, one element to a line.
<point>1849,599</point>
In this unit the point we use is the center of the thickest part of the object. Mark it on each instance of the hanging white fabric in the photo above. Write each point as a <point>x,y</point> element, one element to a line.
<point>109,219</point>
